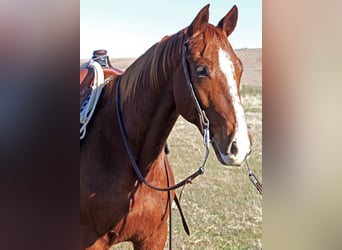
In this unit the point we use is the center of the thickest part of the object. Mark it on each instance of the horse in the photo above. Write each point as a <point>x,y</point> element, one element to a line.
<point>193,73</point>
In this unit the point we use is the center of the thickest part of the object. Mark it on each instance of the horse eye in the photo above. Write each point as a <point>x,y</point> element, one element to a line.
<point>202,71</point>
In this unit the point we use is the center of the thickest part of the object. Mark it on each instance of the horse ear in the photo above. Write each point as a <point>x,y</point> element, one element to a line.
<point>200,22</point>
<point>228,23</point>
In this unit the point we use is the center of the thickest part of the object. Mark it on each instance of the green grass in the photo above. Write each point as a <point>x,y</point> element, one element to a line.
<point>222,207</point>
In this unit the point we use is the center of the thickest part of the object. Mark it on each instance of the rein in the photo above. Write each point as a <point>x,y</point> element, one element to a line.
<point>141,178</point>
<point>204,122</point>
<point>254,179</point>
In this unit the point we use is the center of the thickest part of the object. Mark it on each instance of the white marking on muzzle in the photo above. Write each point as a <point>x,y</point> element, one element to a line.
<point>241,132</point>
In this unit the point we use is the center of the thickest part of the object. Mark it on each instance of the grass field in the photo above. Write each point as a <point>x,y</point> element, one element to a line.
<point>222,207</point>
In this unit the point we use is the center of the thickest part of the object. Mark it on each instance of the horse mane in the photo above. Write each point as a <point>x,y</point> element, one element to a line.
<point>152,68</point>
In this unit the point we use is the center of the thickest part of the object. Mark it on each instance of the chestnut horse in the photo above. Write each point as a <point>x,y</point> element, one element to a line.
<point>115,206</point>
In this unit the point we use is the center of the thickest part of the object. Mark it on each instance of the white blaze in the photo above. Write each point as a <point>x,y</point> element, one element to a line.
<point>241,132</point>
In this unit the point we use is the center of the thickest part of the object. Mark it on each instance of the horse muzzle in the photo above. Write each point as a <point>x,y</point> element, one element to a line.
<point>234,156</point>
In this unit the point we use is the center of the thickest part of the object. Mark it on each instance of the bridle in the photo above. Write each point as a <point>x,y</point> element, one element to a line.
<point>203,120</point>
<point>204,127</point>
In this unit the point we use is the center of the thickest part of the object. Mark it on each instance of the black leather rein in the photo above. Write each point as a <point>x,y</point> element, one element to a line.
<point>204,127</point>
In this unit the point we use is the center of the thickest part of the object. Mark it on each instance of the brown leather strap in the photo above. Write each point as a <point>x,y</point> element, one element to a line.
<point>201,116</point>
<point>185,225</point>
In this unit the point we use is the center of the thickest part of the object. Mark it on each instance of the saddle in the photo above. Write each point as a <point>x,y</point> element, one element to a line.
<point>94,75</point>
<point>87,73</point>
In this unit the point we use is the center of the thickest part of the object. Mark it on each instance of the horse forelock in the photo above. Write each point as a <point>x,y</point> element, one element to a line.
<point>210,35</point>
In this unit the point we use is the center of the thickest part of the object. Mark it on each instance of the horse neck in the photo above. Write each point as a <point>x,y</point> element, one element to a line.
<point>148,107</point>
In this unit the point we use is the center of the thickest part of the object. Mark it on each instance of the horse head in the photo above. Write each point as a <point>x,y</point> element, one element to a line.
<point>215,72</point>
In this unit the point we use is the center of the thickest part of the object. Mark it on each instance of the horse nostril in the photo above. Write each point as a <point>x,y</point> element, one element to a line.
<point>233,148</point>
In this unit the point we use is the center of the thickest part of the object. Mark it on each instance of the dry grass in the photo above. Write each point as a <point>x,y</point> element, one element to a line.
<point>222,207</point>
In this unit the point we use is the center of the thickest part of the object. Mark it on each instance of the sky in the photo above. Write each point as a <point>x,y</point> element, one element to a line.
<point>128,28</point>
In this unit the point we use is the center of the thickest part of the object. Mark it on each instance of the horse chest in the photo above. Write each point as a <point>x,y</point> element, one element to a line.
<point>147,211</point>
